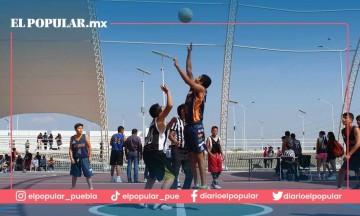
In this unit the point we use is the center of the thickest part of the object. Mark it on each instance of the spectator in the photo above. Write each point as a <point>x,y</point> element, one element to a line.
<point>35,163</point>
<point>45,140</point>
<point>28,158</point>
<point>265,154</point>
<point>270,155</point>
<point>27,145</point>
<point>51,141</point>
<point>321,154</point>
<point>39,141</point>
<point>133,153</point>
<point>58,141</point>
<point>331,159</point>
<point>43,163</point>
<point>51,164</point>
<point>2,161</point>
<point>38,157</point>
<point>19,163</point>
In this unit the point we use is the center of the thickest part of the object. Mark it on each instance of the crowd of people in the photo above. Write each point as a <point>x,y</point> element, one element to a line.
<point>26,162</point>
<point>327,148</point>
<point>44,141</point>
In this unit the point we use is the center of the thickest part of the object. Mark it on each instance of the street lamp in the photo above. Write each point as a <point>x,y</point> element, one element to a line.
<point>244,107</point>
<point>341,66</point>
<point>144,72</point>
<point>234,102</point>
<point>261,133</point>
<point>303,120</point>
<point>162,68</point>
<point>332,112</point>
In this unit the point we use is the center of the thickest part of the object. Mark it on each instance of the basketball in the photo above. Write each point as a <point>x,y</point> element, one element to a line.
<point>185,15</point>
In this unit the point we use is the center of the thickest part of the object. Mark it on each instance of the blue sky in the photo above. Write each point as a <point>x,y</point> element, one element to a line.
<point>280,83</point>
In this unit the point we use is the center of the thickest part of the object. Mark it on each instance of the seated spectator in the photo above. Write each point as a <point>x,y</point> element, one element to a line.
<point>2,161</point>
<point>35,164</point>
<point>19,165</point>
<point>51,164</point>
<point>6,165</point>
<point>43,163</point>
<point>28,158</point>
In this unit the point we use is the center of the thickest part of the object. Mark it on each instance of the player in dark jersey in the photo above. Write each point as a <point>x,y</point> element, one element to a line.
<point>80,156</point>
<point>351,136</point>
<point>158,164</point>
<point>194,111</point>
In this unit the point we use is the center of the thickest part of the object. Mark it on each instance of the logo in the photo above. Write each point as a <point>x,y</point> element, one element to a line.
<point>20,196</point>
<point>194,195</point>
<point>277,196</point>
<point>115,196</point>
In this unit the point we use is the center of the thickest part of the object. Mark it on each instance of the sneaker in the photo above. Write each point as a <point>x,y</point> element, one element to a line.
<point>145,180</point>
<point>118,179</point>
<point>112,179</point>
<point>143,205</point>
<point>217,186</point>
<point>204,187</point>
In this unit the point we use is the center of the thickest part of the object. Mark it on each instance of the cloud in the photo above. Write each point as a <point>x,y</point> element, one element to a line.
<point>46,119</point>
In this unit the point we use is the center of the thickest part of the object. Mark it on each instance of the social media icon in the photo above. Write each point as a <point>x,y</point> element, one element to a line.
<point>194,195</point>
<point>277,196</point>
<point>20,196</point>
<point>115,196</point>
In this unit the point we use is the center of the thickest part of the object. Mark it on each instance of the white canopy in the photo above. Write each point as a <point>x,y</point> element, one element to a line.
<point>54,70</point>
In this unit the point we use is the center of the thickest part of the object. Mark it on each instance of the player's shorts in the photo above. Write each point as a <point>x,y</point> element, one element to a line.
<point>194,137</point>
<point>81,165</point>
<point>159,165</point>
<point>117,158</point>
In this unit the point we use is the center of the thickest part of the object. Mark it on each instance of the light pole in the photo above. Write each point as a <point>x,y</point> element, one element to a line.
<point>244,126</point>
<point>261,133</point>
<point>234,102</point>
<point>303,121</point>
<point>332,112</point>
<point>341,67</point>
<point>144,72</point>
<point>162,68</point>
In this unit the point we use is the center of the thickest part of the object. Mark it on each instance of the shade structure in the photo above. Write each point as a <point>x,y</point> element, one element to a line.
<point>54,69</point>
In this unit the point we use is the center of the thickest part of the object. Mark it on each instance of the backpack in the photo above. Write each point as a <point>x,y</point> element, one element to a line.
<point>338,150</point>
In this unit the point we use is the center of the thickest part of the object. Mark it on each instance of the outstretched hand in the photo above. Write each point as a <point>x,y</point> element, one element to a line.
<point>176,63</point>
<point>164,89</point>
<point>189,48</point>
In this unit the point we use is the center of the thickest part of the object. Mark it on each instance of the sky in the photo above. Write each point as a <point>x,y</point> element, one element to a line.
<point>280,83</point>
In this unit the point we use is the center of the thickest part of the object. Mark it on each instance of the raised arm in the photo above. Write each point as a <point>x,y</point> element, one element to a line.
<point>199,89</point>
<point>169,105</point>
<point>188,63</point>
